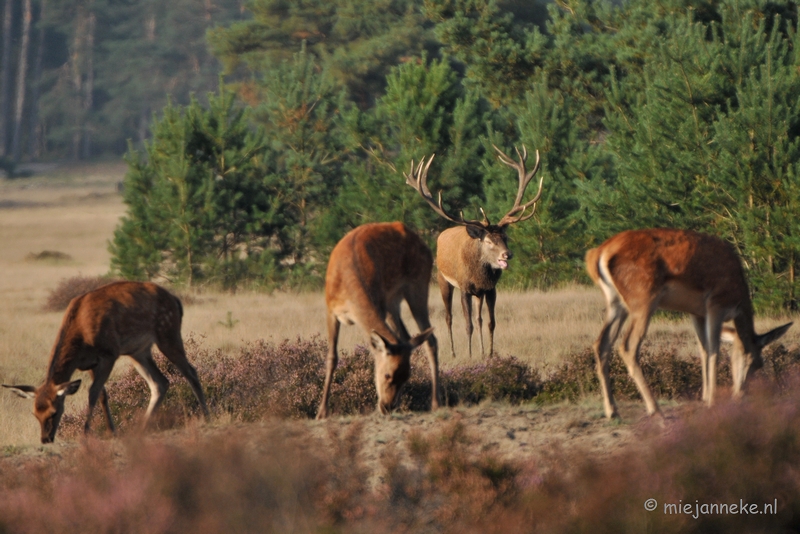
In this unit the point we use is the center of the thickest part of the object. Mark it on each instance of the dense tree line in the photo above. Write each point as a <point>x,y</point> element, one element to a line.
<point>78,78</point>
<point>677,113</point>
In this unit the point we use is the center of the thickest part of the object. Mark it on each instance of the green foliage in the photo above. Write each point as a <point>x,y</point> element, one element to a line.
<point>500,57</point>
<point>704,135</point>
<point>356,41</point>
<point>203,204</point>
<point>108,65</point>
<point>681,114</point>
<point>425,111</point>
<point>299,111</point>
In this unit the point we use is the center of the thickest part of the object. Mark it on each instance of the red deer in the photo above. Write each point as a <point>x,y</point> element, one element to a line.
<point>641,271</point>
<point>99,326</point>
<point>473,255</point>
<point>370,272</point>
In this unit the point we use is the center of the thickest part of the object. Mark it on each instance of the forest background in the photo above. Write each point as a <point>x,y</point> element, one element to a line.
<point>257,133</point>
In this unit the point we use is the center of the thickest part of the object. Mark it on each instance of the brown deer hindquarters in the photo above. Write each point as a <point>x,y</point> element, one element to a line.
<point>641,271</point>
<point>472,255</point>
<point>99,326</point>
<point>370,272</point>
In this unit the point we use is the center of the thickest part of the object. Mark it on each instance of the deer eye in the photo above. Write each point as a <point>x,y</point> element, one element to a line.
<point>387,377</point>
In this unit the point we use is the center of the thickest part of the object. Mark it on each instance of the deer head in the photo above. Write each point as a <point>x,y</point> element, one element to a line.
<point>48,404</point>
<point>393,366</point>
<point>493,239</point>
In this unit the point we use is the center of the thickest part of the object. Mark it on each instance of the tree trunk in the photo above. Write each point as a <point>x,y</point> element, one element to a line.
<point>89,86</point>
<point>35,138</point>
<point>22,73</point>
<point>77,80</point>
<point>5,76</point>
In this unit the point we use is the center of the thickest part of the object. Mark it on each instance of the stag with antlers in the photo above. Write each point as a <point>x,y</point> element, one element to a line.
<point>472,255</point>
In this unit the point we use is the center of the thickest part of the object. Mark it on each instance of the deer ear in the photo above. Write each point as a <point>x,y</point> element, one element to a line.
<point>26,392</point>
<point>421,338</point>
<point>475,232</point>
<point>378,342</point>
<point>765,339</point>
<point>68,388</point>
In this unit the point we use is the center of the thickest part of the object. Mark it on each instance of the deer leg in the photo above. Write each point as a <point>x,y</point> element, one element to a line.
<point>419,310</point>
<point>714,320</point>
<point>480,323</point>
<point>615,318</point>
<point>100,374</point>
<point>107,410</point>
<point>699,324</point>
<point>637,329</point>
<point>447,296</point>
<point>172,347</point>
<point>330,363</point>
<point>145,365</point>
<point>396,322</point>
<point>491,299</point>
<point>466,306</point>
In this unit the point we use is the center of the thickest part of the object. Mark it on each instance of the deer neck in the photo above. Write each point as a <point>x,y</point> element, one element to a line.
<point>481,276</point>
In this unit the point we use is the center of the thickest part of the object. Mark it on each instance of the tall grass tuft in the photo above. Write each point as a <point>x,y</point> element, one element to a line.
<point>69,288</point>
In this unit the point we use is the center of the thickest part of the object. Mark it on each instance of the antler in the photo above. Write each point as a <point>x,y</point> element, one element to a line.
<point>524,180</point>
<point>418,179</point>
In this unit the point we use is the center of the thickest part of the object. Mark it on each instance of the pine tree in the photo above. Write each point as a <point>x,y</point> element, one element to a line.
<point>355,41</point>
<point>425,111</point>
<point>204,204</point>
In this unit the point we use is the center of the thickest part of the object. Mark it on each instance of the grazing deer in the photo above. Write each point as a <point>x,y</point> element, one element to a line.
<point>641,271</point>
<point>370,272</point>
<point>98,327</point>
<point>473,255</point>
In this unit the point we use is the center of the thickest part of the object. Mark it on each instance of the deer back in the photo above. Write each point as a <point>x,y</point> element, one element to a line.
<point>371,267</point>
<point>693,267</point>
<point>118,318</point>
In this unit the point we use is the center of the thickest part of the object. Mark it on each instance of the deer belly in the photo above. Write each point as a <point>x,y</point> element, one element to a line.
<point>451,281</point>
<point>677,297</point>
<point>136,344</point>
<point>345,315</point>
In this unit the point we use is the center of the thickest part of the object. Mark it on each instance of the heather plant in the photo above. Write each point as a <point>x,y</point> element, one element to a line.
<point>284,380</point>
<point>447,483</point>
<point>502,379</point>
<point>278,478</point>
<point>668,376</point>
<point>230,483</point>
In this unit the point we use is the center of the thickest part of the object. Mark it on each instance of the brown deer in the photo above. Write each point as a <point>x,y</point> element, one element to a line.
<point>641,271</point>
<point>370,272</point>
<point>473,255</point>
<point>99,326</point>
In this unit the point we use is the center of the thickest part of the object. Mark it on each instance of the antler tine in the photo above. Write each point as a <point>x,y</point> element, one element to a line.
<point>509,219</point>
<point>502,156</point>
<point>418,179</point>
<point>524,179</point>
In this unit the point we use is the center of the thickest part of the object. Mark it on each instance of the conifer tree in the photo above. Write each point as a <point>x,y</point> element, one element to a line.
<point>203,204</point>
<point>425,111</point>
